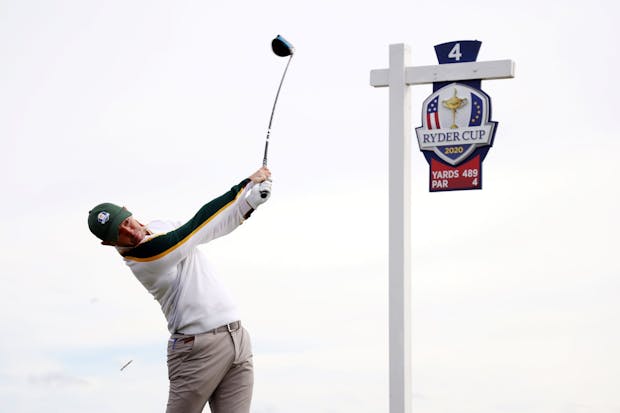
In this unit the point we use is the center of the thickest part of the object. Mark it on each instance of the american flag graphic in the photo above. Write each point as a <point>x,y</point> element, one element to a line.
<point>432,117</point>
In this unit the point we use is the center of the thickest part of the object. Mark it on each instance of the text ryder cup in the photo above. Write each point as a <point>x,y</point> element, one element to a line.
<point>454,136</point>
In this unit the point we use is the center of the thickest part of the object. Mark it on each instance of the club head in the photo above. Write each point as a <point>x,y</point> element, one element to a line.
<point>282,47</point>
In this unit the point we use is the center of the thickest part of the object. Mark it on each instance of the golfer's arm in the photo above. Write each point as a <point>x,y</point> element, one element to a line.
<point>215,219</point>
<point>218,217</point>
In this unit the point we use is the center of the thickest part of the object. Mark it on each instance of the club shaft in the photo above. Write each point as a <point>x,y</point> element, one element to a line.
<point>273,111</point>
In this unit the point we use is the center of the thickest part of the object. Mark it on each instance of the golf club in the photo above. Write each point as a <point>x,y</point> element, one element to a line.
<point>282,48</point>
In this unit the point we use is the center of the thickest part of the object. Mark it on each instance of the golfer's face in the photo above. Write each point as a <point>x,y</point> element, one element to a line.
<point>130,233</point>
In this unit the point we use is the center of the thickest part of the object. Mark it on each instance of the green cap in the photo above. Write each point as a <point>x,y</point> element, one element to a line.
<point>104,220</point>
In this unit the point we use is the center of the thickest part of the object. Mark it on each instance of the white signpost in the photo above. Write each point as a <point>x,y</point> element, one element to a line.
<point>398,77</point>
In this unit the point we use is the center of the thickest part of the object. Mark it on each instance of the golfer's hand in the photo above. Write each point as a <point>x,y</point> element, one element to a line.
<point>259,194</point>
<point>261,175</point>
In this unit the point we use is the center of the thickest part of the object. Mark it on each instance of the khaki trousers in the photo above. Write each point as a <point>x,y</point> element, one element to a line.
<point>214,367</point>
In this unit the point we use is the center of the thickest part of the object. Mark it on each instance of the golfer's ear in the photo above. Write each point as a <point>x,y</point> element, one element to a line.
<point>106,243</point>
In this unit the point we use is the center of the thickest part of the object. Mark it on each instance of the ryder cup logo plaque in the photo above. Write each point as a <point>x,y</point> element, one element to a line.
<point>455,123</point>
<point>457,130</point>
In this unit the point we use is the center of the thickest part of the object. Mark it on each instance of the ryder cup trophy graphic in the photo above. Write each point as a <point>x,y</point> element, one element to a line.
<point>454,104</point>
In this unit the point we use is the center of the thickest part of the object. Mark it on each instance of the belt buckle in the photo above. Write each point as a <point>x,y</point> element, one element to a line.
<point>234,326</point>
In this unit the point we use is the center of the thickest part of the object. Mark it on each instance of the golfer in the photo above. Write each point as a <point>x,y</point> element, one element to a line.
<point>209,351</point>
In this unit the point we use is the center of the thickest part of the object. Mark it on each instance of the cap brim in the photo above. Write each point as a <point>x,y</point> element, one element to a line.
<point>112,232</point>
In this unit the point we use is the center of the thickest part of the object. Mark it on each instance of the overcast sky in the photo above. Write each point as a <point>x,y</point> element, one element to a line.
<point>161,106</point>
